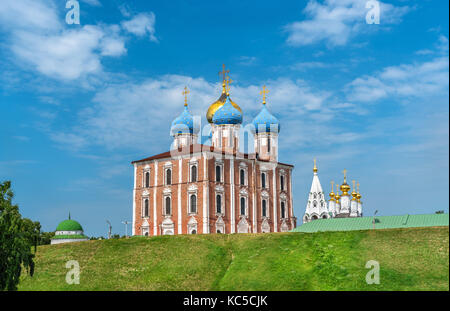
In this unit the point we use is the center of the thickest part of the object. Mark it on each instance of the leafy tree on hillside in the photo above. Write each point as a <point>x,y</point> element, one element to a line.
<point>17,236</point>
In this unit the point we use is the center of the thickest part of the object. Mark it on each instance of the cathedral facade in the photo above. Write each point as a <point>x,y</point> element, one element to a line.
<point>196,188</point>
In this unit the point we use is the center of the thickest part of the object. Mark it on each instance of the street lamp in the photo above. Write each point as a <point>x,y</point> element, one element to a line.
<point>110,228</point>
<point>126,222</point>
<point>373,220</point>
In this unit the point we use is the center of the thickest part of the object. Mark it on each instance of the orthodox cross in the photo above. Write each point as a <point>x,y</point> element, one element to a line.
<point>185,92</point>
<point>224,72</point>
<point>263,93</point>
<point>332,186</point>
<point>357,187</point>
<point>345,175</point>
<point>228,81</point>
<point>353,185</point>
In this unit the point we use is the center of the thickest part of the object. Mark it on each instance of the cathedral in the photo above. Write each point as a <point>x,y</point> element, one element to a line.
<point>339,206</point>
<point>197,188</point>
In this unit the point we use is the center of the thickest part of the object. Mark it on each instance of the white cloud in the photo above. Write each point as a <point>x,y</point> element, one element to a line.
<point>92,2</point>
<point>40,40</point>
<point>413,80</point>
<point>141,25</point>
<point>336,21</point>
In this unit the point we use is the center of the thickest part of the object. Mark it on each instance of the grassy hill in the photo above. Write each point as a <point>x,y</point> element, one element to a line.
<point>410,259</point>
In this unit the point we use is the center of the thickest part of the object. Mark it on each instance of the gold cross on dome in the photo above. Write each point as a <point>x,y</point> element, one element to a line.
<point>224,72</point>
<point>228,81</point>
<point>357,187</point>
<point>353,185</point>
<point>263,93</point>
<point>345,174</point>
<point>185,92</point>
<point>332,186</point>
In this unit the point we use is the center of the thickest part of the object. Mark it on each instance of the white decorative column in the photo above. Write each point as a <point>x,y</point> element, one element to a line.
<point>255,227</point>
<point>155,220</point>
<point>134,201</point>
<point>233,220</point>
<point>275,202</point>
<point>205,196</point>
<point>180,179</point>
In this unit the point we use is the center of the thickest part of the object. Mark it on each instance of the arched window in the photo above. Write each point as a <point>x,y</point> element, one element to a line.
<point>263,180</point>
<point>218,171</point>
<point>146,233</point>
<point>324,216</point>
<point>264,208</point>
<point>314,204</point>
<point>194,231</point>
<point>282,182</point>
<point>168,176</point>
<point>283,210</point>
<point>146,208</point>
<point>168,207</point>
<point>219,204</point>
<point>147,180</point>
<point>193,203</point>
<point>242,206</point>
<point>242,175</point>
<point>268,144</point>
<point>218,231</point>
<point>193,173</point>
<point>314,217</point>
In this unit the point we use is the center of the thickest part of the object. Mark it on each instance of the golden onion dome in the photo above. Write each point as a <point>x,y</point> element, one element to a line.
<point>332,193</point>
<point>219,103</point>
<point>358,197</point>
<point>345,188</point>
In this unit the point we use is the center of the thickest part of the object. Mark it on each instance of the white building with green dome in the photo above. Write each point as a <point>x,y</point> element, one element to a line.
<point>69,231</point>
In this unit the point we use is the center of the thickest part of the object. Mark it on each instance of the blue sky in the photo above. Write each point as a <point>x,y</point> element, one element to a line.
<point>80,102</point>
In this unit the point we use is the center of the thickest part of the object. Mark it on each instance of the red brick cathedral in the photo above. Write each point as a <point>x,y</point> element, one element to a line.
<point>195,188</point>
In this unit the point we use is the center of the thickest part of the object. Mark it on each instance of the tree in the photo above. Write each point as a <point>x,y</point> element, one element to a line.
<point>17,236</point>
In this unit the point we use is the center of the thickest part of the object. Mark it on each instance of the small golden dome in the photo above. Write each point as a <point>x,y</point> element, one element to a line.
<point>332,193</point>
<point>219,103</point>
<point>358,197</point>
<point>345,188</point>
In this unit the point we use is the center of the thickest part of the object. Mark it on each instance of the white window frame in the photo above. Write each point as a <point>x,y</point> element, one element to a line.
<point>146,171</point>
<point>267,208</point>
<point>266,186</point>
<point>143,207</point>
<point>286,216</point>
<point>165,176</point>
<point>246,205</point>
<point>190,171</point>
<point>164,205</point>
<point>190,194</point>
<point>222,207</point>
<point>221,172</point>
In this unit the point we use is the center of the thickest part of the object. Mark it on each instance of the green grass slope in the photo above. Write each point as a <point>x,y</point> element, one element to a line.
<point>410,259</point>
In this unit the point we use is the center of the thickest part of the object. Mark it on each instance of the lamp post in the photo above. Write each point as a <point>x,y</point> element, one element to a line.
<point>373,221</point>
<point>126,222</point>
<point>110,228</point>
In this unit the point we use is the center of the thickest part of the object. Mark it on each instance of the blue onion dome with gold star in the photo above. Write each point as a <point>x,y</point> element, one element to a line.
<point>184,123</point>
<point>227,114</point>
<point>265,122</point>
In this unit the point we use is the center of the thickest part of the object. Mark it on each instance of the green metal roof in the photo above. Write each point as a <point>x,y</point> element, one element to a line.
<point>381,222</point>
<point>69,225</point>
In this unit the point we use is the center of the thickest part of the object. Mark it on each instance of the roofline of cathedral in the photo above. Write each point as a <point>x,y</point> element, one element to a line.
<point>198,148</point>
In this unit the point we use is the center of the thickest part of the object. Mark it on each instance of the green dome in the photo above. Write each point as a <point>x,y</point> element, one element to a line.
<point>69,225</point>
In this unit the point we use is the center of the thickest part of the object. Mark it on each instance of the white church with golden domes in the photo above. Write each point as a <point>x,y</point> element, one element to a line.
<point>338,206</point>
